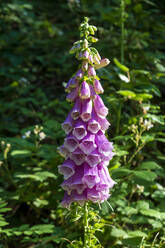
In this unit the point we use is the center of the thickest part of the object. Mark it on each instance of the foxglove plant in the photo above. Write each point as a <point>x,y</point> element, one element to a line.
<point>86,149</point>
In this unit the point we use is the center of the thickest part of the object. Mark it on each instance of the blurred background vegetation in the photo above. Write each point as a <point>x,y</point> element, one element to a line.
<point>35,37</point>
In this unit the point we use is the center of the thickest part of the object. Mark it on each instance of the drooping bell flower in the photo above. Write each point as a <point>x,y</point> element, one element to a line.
<point>86,149</point>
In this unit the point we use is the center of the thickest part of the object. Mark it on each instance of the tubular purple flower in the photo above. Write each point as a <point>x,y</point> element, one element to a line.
<point>79,130</point>
<point>100,108</point>
<point>76,111</point>
<point>92,92</point>
<point>91,71</point>
<point>84,90</point>
<point>88,145</point>
<point>103,123</point>
<point>72,83</point>
<point>67,169</point>
<point>104,146</point>
<point>71,143</point>
<point>78,156</point>
<point>93,124</point>
<point>93,158</point>
<point>75,182</point>
<point>98,87</point>
<point>79,74</point>
<point>90,177</point>
<point>63,151</point>
<point>86,110</point>
<point>72,95</point>
<point>67,125</point>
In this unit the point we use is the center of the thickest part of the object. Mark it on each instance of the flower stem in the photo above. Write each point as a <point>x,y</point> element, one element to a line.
<point>122,5</point>
<point>85,224</point>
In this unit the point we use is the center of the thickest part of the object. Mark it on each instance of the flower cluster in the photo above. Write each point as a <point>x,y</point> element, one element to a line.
<point>86,149</point>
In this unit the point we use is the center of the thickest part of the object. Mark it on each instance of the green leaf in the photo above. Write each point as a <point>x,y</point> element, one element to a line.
<point>150,165</point>
<point>142,205</point>
<point>145,175</point>
<point>121,66</point>
<point>151,213</point>
<point>127,93</point>
<point>21,153</point>
<point>118,233</point>
<point>133,242</point>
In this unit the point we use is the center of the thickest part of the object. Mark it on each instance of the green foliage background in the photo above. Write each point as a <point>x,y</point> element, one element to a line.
<point>35,37</point>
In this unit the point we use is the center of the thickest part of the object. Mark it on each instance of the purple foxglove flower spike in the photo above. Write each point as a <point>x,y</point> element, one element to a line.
<point>84,90</point>
<point>86,110</point>
<point>86,149</point>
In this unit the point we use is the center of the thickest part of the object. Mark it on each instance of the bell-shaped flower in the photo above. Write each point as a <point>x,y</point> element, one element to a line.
<point>93,158</point>
<point>86,110</point>
<point>78,156</point>
<point>91,71</point>
<point>79,131</point>
<point>90,177</point>
<point>67,169</point>
<point>76,111</point>
<point>67,125</point>
<point>71,143</point>
<point>88,145</point>
<point>98,87</point>
<point>100,108</point>
<point>72,95</point>
<point>84,90</point>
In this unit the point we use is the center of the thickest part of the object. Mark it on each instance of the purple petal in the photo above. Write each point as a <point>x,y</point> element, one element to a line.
<point>91,71</point>
<point>67,125</point>
<point>67,169</point>
<point>79,130</point>
<point>106,181</point>
<point>97,86</point>
<point>71,143</point>
<point>92,92</point>
<point>76,111</point>
<point>78,156</point>
<point>93,195</point>
<point>90,177</point>
<point>93,159</point>
<point>63,151</point>
<point>72,83</point>
<point>88,144</point>
<point>79,74</point>
<point>85,90</point>
<point>103,123</point>
<point>104,146</point>
<point>72,95</point>
<point>93,124</point>
<point>86,110</point>
<point>100,108</point>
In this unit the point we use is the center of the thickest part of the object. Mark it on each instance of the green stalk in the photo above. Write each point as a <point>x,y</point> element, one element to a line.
<point>122,30</point>
<point>122,6</point>
<point>85,224</point>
